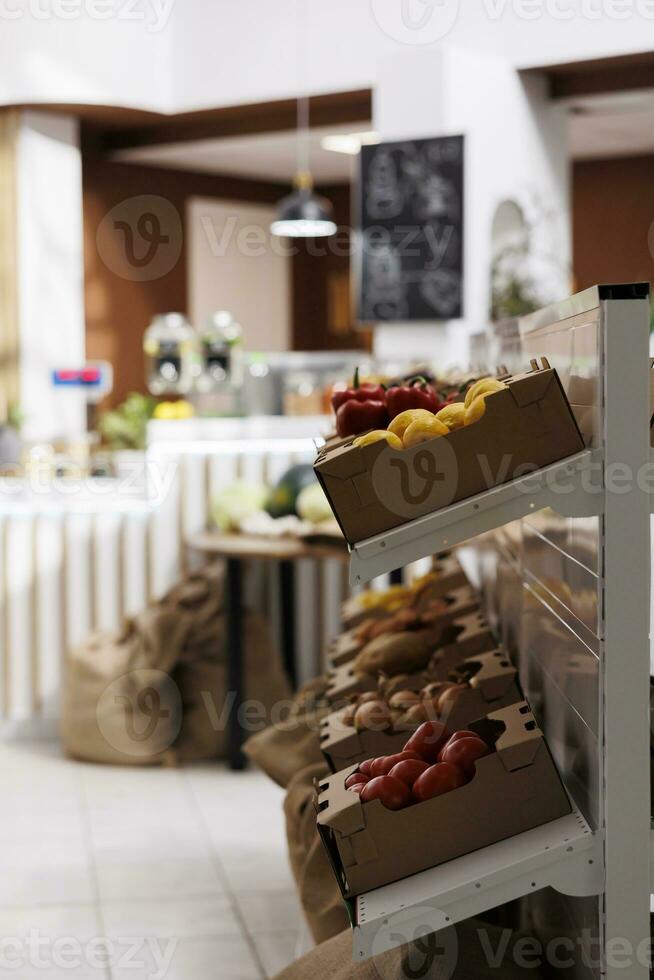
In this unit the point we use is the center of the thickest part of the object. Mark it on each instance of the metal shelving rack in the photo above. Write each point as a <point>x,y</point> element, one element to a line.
<point>606,850</point>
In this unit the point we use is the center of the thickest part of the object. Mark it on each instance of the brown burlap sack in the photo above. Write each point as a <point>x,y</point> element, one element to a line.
<point>469,951</point>
<point>156,691</point>
<point>203,687</point>
<point>289,746</point>
<point>320,896</point>
<point>119,703</point>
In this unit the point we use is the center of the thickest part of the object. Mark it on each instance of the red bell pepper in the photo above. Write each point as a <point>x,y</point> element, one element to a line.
<point>413,394</point>
<point>354,417</point>
<point>358,393</point>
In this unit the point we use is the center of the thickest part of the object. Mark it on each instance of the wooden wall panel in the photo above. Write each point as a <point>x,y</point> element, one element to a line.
<point>613,220</point>
<point>118,307</point>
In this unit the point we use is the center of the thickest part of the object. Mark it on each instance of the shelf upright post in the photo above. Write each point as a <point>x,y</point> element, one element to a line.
<point>624,616</point>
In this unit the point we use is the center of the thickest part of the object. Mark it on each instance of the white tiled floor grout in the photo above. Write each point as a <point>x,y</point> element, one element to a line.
<point>226,884</point>
<point>93,870</point>
<point>190,856</point>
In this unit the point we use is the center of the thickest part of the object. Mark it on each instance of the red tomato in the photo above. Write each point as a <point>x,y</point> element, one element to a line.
<point>364,767</point>
<point>356,777</point>
<point>456,737</point>
<point>381,766</point>
<point>392,793</point>
<point>409,770</point>
<point>428,740</point>
<point>438,779</point>
<point>401,757</point>
<point>465,753</point>
<point>356,788</point>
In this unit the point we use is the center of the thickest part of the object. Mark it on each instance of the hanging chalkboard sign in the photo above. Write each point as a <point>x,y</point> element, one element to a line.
<point>411,230</point>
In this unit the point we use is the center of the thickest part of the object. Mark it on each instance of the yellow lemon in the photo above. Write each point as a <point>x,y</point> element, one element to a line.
<point>377,435</point>
<point>452,415</point>
<point>475,410</point>
<point>401,422</point>
<point>423,429</point>
<point>184,409</point>
<point>165,410</point>
<point>485,386</point>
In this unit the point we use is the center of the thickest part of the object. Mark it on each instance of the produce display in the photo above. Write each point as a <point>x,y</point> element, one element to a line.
<point>417,461</point>
<point>294,507</point>
<point>377,722</point>
<point>432,762</point>
<point>411,659</point>
<point>421,611</point>
<point>446,576</point>
<point>410,412</point>
<point>445,793</point>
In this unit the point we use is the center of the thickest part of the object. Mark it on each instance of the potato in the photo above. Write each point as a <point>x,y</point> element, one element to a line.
<point>403,700</point>
<point>432,691</point>
<point>348,715</point>
<point>452,693</point>
<point>395,653</point>
<point>373,716</point>
<point>425,711</point>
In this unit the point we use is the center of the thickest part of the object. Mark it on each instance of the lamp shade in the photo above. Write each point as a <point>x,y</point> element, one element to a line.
<point>302,214</point>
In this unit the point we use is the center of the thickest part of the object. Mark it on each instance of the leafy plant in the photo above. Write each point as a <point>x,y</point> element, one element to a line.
<point>125,426</point>
<point>521,268</point>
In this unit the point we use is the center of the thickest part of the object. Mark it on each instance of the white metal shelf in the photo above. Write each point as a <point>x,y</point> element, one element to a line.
<point>573,487</point>
<point>564,854</point>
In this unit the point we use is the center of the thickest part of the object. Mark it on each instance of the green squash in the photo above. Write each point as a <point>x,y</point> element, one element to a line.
<point>282,500</point>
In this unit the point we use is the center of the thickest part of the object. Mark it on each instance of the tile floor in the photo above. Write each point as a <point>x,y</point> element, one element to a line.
<point>161,874</point>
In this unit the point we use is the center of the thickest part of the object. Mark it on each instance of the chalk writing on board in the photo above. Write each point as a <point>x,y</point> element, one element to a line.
<point>411,230</point>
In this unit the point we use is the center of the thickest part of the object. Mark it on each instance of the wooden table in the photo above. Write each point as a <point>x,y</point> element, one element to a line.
<point>235,549</point>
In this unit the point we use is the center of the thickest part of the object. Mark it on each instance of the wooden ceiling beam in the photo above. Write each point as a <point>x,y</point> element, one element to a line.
<point>601,76</point>
<point>243,120</point>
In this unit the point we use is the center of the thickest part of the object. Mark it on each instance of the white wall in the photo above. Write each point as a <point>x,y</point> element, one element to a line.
<point>95,52</point>
<point>235,264</point>
<point>50,270</point>
<point>171,55</point>
<point>237,51</point>
<point>516,148</point>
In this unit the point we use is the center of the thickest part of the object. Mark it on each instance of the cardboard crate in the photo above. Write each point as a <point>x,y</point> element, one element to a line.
<point>464,637</point>
<point>456,604</point>
<point>445,576</point>
<point>526,426</point>
<point>514,789</point>
<point>492,684</point>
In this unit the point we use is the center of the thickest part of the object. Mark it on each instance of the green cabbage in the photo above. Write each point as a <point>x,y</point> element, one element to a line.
<point>312,504</point>
<point>236,502</point>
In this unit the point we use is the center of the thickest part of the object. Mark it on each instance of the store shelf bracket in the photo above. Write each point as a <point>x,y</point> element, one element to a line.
<point>564,854</point>
<point>572,487</point>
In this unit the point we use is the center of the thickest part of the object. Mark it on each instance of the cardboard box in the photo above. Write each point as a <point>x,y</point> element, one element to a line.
<point>526,426</point>
<point>456,604</point>
<point>462,638</point>
<point>514,789</point>
<point>492,684</point>
<point>445,576</point>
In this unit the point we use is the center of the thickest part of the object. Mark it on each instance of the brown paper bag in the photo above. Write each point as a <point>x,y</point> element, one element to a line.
<point>286,748</point>
<point>470,950</point>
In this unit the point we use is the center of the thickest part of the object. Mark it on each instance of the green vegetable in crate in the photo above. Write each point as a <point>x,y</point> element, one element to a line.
<point>233,504</point>
<point>283,497</point>
<point>312,504</point>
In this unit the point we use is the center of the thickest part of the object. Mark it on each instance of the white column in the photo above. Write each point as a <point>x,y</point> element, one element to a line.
<point>50,271</point>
